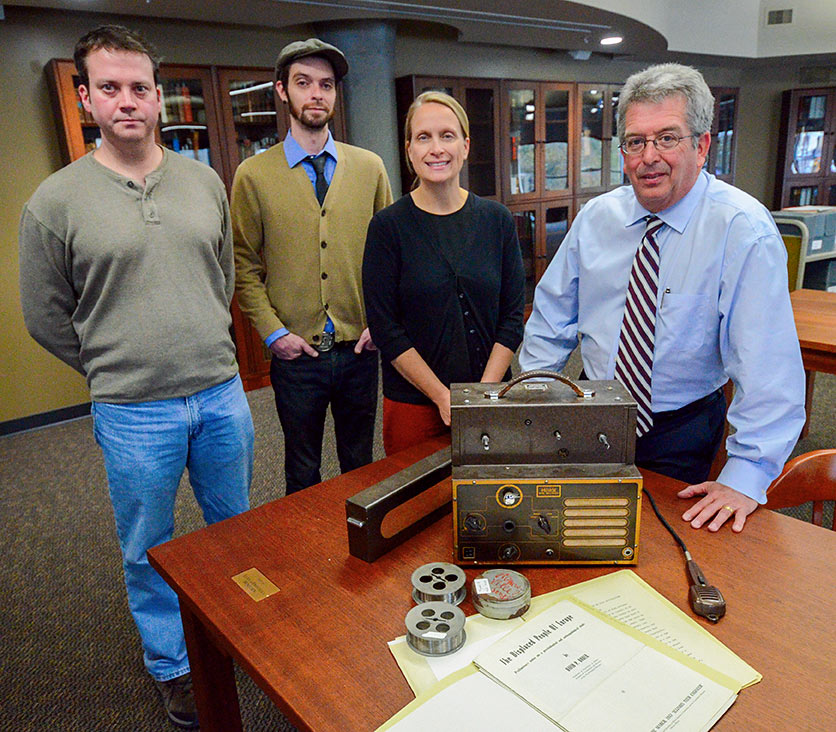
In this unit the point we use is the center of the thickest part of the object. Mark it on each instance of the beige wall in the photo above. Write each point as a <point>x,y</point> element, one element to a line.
<point>33,381</point>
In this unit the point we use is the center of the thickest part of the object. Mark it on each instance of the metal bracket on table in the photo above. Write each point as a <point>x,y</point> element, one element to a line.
<point>375,525</point>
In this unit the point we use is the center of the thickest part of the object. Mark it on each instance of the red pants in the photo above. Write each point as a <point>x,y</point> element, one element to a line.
<point>405,424</point>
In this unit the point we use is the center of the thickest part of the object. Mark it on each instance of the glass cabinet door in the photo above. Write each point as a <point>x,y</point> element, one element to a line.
<point>809,135</point>
<point>188,123</point>
<point>480,103</point>
<point>807,162</point>
<point>721,152</point>
<point>600,166</point>
<point>556,137</point>
<point>724,139</point>
<point>541,229</point>
<point>248,107</point>
<point>557,226</point>
<point>521,141</point>
<point>254,116</point>
<point>525,219</point>
<point>78,133</point>
<point>591,151</point>
<point>251,123</point>
<point>536,129</point>
<point>616,160</point>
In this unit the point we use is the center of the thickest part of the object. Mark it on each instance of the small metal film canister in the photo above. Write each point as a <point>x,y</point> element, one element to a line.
<point>501,594</point>
<point>439,582</point>
<point>435,628</point>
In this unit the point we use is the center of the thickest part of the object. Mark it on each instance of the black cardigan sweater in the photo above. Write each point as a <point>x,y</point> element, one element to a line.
<point>450,286</point>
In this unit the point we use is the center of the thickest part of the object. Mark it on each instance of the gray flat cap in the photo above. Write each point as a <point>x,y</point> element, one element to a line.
<point>312,47</point>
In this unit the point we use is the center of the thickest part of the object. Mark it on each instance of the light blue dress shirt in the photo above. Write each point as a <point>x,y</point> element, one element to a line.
<point>723,311</point>
<point>294,154</point>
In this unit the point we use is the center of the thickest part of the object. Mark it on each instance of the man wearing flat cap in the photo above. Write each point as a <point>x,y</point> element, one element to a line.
<point>300,213</point>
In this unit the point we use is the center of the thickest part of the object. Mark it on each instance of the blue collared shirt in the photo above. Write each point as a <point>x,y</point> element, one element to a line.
<point>723,311</point>
<point>294,154</point>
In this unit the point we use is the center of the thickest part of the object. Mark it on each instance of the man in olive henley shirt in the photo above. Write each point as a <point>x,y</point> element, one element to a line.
<point>126,275</point>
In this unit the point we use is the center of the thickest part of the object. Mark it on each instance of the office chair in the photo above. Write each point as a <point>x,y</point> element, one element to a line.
<point>808,477</point>
<point>796,235</point>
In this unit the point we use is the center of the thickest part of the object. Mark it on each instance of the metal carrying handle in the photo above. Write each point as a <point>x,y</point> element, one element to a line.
<point>538,374</point>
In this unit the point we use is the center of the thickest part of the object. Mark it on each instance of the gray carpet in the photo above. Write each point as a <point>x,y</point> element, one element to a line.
<point>69,652</point>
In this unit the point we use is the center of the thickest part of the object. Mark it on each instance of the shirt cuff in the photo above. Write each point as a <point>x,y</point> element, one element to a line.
<point>274,336</point>
<point>745,477</point>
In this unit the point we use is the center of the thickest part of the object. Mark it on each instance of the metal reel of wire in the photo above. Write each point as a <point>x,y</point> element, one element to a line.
<point>435,628</point>
<point>439,582</point>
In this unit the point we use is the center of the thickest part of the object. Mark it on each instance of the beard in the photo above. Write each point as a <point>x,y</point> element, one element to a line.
<point>308,120</point>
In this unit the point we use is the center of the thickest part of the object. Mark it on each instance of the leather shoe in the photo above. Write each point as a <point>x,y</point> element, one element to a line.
<point>179,700</point>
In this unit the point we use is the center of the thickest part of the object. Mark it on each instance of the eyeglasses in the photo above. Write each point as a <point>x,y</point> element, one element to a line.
<point>665,141</point>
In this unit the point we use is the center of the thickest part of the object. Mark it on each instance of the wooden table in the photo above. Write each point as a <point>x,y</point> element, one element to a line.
<point>815,321</point>
<point>318,646</point>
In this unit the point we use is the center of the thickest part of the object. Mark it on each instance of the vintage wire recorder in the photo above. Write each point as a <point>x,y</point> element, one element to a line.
<point>543,472</point>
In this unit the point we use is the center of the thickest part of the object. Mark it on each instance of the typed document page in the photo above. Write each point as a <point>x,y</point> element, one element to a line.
<point>586,672</point>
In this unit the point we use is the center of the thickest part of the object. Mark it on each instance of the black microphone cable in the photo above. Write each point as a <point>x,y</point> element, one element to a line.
<point>706,600</point>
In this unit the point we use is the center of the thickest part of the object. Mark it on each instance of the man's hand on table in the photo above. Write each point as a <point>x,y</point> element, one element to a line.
<point>718,504</point>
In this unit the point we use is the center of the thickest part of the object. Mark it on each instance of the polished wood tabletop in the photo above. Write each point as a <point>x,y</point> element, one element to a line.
<point>815,321</point>
<point>318,646</point>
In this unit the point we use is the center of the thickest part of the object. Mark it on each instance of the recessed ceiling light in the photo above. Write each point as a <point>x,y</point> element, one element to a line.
<point>611,40</point>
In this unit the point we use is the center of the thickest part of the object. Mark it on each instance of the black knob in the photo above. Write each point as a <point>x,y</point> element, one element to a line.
<point>509,552</point>
<point>474,522</point>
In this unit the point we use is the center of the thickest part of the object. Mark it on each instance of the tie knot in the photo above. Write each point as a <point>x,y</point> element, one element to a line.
<point>318,163</point>
<point>651,226</point>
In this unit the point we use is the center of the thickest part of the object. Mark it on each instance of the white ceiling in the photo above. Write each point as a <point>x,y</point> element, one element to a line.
<point>735,28</point>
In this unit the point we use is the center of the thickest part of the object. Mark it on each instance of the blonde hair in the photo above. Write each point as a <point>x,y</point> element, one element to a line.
<point>436,97</point>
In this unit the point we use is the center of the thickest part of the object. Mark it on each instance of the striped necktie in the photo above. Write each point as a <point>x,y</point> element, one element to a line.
<point>634,360</point>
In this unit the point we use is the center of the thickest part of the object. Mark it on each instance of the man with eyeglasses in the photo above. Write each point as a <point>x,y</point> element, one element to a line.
<point>674,285</point>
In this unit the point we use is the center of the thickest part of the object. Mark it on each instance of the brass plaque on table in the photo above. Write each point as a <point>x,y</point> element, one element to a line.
<point>255,584</point>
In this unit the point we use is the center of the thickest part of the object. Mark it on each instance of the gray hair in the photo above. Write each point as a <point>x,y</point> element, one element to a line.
<point>656,83</point>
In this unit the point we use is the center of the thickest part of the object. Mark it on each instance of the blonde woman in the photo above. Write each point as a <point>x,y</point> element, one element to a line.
<point>442,278</point>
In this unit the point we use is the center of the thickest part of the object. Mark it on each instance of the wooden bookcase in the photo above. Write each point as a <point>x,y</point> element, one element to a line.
<point>806,169</point>
<point>549,147</point>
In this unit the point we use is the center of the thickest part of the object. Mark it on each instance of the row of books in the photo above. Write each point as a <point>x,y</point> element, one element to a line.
<point>179,105</point>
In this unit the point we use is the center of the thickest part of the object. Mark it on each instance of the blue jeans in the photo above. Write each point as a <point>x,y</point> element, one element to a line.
<point>146,447</point>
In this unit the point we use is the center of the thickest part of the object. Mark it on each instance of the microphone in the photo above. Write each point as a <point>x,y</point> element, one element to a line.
<point>706,599</point>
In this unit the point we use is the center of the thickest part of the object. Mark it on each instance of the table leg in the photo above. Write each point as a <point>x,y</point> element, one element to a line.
<point>810,377</point>
<point>213,677</point>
